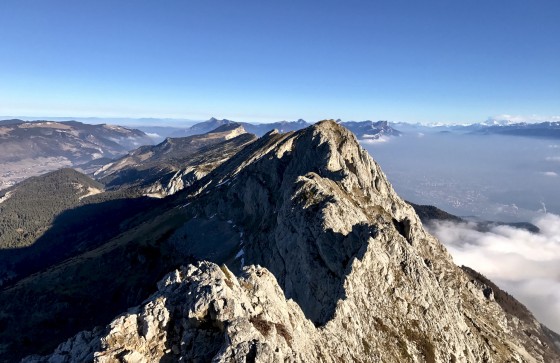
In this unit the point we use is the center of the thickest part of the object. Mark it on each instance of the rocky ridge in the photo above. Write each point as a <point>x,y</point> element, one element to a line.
<point>176,163</point>
<point>257,129</point>
<point>348,272</point>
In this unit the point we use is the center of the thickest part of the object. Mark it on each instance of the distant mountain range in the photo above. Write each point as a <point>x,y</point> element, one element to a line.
<point>371,130</point>
<point>550,130</point>
<point>131,122</point>
<point>30,148</point>
<point>542,130</point>
<point>76,141</point>
<point>160,128</point>
<point>362,129</point>
<point>35,147</point>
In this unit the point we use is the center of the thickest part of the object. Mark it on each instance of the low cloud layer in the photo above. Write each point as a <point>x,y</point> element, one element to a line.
<point>524,264</point>
<point>378,140</point>
<point>153,135</point>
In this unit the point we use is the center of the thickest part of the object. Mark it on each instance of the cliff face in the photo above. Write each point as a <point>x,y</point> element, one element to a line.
<point>329,265</point>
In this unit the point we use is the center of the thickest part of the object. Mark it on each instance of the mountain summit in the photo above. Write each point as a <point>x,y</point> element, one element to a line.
<point>320,261</point>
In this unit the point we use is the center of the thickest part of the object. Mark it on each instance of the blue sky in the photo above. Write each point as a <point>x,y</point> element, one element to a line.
<point>417,61</point>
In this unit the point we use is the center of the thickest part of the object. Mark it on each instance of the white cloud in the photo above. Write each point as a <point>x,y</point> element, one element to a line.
<point>550,173</point>
<point>522,118</point>
<point>380,139</point>
<point>552,158</point>
<point>525,264</point>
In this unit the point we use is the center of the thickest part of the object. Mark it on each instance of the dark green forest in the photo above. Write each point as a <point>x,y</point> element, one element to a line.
<point>44,221</point>
<point>32,205</point>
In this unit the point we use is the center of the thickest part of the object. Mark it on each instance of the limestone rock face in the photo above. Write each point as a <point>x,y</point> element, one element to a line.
<point>348,273</point>
<point>202,313</point>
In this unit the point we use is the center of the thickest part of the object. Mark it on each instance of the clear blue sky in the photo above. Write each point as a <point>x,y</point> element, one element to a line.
<point>419,61</point>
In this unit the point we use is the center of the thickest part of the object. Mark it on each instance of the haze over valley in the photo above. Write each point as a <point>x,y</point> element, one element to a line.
<point>492,177</point>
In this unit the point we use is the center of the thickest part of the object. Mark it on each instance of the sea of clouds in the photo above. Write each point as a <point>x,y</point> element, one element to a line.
<point>525,264</point>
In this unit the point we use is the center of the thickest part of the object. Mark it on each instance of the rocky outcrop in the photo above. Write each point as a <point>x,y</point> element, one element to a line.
<point>202,313</point>
<point>348,272</point>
